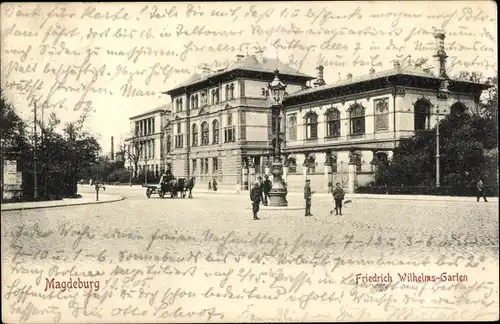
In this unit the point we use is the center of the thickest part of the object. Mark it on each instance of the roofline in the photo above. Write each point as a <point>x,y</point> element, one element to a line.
<point>333,86</point>
<point>150,112</point>
<point>222,73</point>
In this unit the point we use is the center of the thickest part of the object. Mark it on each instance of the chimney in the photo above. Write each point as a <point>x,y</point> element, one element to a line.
<point>205,71</point>
<point>239,57</point>
<point>440,56</point>
<point>259,55</point>
<point>112,148</point>
<point>397,65</point>
<point>372,70</point>
<point>349,76</point>
<point>319,79</point>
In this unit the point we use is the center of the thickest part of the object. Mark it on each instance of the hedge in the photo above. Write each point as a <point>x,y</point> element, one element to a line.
<point>465,191</point>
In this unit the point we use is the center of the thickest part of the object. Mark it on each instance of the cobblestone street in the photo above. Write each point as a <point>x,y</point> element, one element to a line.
<point>216,232</point>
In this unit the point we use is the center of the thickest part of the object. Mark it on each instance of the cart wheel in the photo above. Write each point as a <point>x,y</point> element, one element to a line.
<point>162,194</point>
<point>148,193</point>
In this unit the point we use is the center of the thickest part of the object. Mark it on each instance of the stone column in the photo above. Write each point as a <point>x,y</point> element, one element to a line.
<point>285,167</point>
<point>351,182</point>
<point>267,165</point>
<point>251,171</point>
<point>328,171</point>
<point>244,174</point>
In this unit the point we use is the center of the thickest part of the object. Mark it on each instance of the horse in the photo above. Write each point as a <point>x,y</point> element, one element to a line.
<point>189,187</point>
<point>177,186</point>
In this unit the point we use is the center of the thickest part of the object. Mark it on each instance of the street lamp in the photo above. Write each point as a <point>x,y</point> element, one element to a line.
<point>277,196</point>
<point>97,185</point>
<point>438,184</point>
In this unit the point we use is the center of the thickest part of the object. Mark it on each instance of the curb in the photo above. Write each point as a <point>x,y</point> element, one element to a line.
<point>422,198</point>
<point>118,198</point>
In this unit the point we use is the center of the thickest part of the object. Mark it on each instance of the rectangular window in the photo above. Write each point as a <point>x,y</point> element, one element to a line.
<point>206,165</point>
<point>215,165</point>
<point>292,127</point>
<point>229,134</point>
<point>381,114</point>
<point>194,166</point>
<point>179,140</point>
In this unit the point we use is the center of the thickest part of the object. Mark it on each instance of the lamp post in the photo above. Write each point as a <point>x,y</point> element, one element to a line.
<point>438,183</point>
<point>97,185</point>
<point>277,196</point>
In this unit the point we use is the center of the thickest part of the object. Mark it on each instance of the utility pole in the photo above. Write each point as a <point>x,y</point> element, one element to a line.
<point>437,147</point>
<point>35,156</point>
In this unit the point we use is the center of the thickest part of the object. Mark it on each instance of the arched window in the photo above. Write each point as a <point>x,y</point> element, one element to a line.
<point>227,92</point>
<point>215,131</point>
<point>458,109</point>
<point>421,115</point>
<point>333,123</point>
<point>311,125</point>
<point>204,133</point>
<point>169,143</point>
<point>196,102</point>
<point>357,119</point>
<point>229,131</point>
<point>231,91</point>
<point>215,96</point>
<point>195,135</point>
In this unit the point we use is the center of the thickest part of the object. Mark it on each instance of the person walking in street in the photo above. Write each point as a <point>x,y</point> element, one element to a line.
<point>255,196</point>
<point>209,185</point>
<point>338,197</point>
<point>307,196</point>
<point>214,185</point>
<point>266,188</point>
<point>238,187</point>
<point>480,190</point>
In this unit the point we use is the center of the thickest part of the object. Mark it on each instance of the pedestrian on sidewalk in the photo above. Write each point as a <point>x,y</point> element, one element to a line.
<point>238,187</point>
<point>266,189</point>
<point>480,190</point>
<point>255,196</point>
<point>214,185</point>
<point>338,196</point>
<point>307,197</point>
<point>209,185</point>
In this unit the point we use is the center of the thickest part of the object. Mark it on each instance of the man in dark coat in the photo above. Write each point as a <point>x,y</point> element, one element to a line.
<point>480,190</point>
<point>266,188</point>
<point>338,196</point>
<point>255,196</point>
<point>307,196</point>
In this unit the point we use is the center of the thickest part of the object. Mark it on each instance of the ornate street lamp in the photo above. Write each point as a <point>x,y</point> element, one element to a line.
<point>276,94</point>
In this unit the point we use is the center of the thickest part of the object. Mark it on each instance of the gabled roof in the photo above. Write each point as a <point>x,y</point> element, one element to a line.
<point>248,63</point>
<point>163,108</point>
<point>402,70</point>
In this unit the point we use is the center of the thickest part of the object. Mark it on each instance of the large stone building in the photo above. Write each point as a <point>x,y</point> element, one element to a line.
<point>222,124</point>
<point>147,147</point>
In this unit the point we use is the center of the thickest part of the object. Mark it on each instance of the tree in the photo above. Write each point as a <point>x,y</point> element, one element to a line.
<point>465,141</point>
<point>132,152</point>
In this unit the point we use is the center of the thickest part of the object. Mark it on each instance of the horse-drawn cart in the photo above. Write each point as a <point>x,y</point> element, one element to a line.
<point>166,185</point>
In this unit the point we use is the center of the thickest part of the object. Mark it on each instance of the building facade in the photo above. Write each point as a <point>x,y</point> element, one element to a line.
<point>222,126</point>
<point>146,149</point>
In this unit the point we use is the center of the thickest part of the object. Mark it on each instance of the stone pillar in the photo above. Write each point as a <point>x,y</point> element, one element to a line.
<point>351,182</point>
<point>328,172</point>
<point>267,165</point>
<point>367,158</point>
<point>244,174</point>
<point>304,164</point>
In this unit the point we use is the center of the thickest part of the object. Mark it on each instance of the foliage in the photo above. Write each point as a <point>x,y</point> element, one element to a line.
<point>61,155</point>
<point>132,152</point>
<point>468,150</point>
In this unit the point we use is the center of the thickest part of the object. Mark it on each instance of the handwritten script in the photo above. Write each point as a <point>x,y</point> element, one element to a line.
<point>78,56</point>
<point>103,273</point>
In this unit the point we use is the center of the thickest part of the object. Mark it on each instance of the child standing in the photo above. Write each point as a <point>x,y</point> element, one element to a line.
<point>338,197</point>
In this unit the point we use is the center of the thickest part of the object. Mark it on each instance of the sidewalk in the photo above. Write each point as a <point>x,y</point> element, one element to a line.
<point>347,196</point>
<point>369,196</point>
<point>87,199</point>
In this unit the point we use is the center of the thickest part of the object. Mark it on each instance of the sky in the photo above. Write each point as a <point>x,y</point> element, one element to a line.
<point>114,60</point>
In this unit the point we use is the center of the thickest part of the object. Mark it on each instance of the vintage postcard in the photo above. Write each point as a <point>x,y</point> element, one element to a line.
<point>232,162</point>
